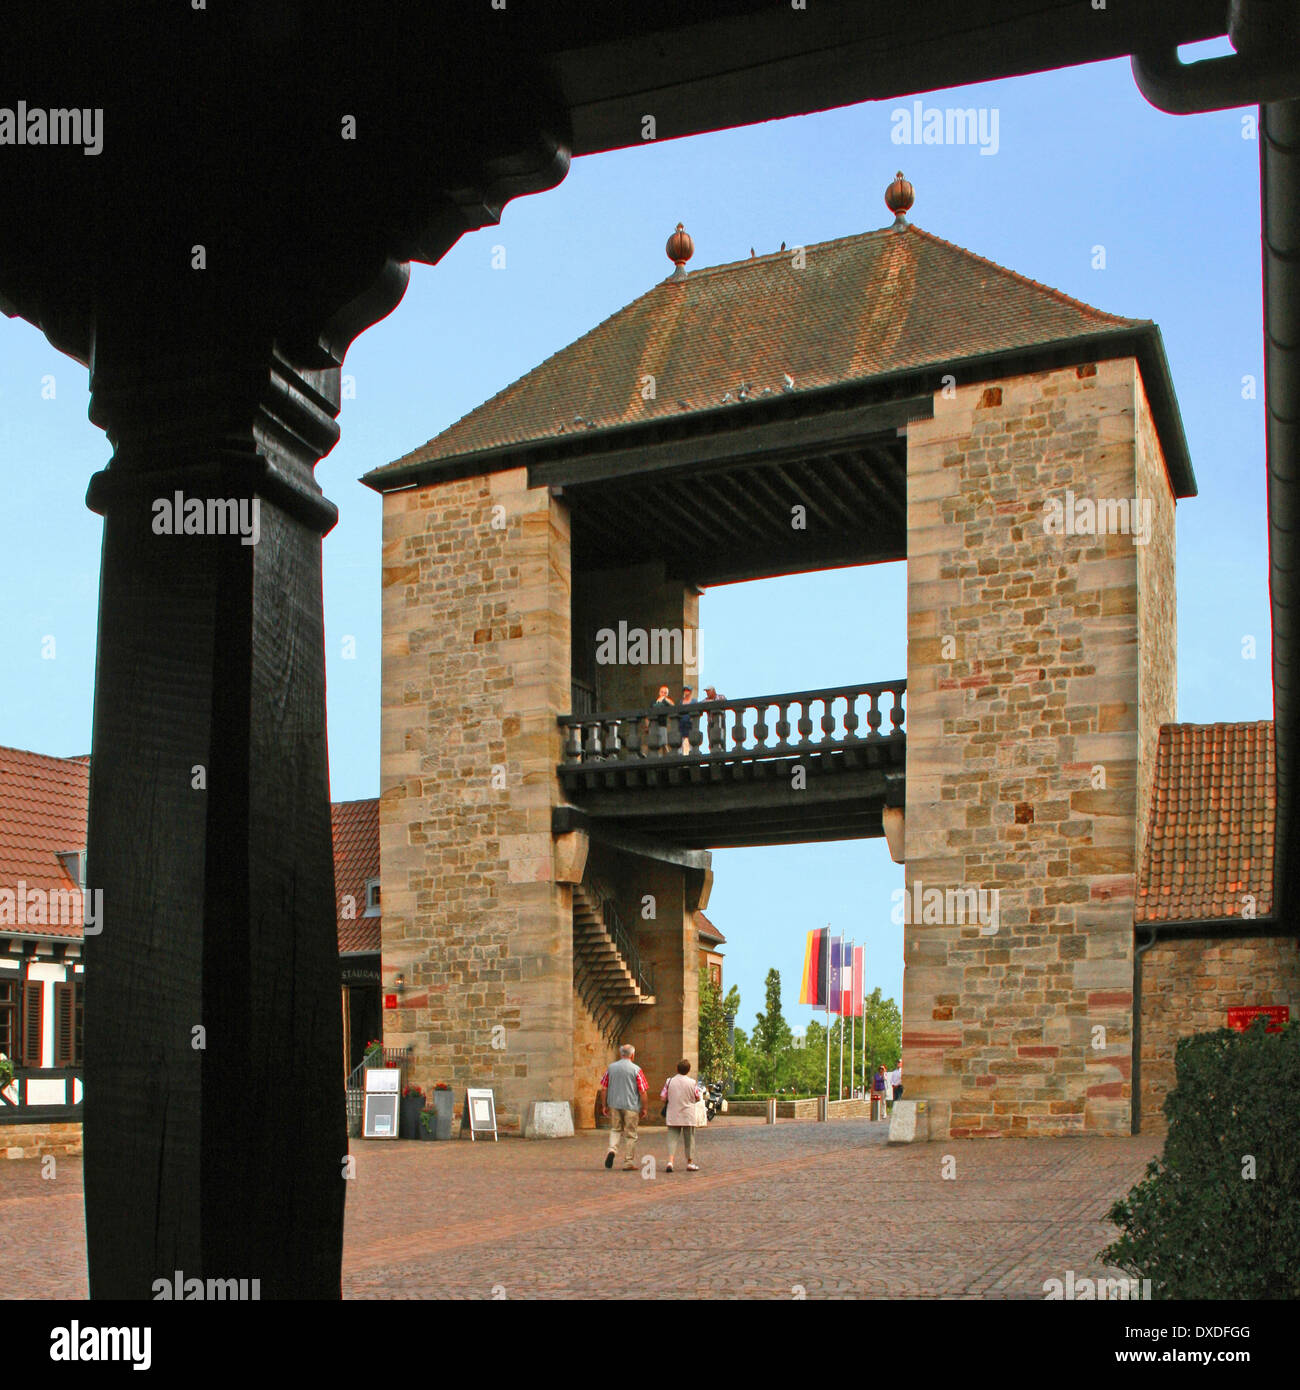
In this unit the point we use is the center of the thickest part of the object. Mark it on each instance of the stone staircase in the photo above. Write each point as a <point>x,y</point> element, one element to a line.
<point>607,970</point>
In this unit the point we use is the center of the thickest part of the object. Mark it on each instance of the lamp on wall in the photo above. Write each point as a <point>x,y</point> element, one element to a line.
<point>400,982</point>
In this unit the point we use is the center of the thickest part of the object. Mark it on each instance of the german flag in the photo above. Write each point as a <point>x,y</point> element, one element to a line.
<point>815,989</point>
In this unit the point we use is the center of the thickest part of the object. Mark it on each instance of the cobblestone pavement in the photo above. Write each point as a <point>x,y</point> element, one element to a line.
<point>829,1209</point>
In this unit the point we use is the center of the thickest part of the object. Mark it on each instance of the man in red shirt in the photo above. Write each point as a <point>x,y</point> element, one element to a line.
<point>623,1091</point>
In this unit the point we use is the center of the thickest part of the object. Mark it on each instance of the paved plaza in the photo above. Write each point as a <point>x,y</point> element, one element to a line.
<point>823,1210</point>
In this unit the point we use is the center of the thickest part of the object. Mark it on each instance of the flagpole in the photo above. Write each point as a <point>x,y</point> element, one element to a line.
<point>853,1020</point>
<point>828,1012</point>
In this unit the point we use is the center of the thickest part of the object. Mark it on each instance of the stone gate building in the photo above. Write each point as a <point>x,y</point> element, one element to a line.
<point>546,827</point>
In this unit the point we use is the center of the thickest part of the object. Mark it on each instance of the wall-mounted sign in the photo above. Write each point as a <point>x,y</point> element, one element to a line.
<point>1242,1017</point>
<point>390,1001</point>
<point>479,1114</point>
<point>354,975</point>
<point>380,1120</point>
<point>385,1080</point>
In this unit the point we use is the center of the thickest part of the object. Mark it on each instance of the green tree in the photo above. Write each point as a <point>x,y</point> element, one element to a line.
<point>717,1057</point>
<point>772,1038</point>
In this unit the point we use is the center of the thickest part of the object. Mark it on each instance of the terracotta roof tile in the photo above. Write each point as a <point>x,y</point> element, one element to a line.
<point>1209,844</point>
<point>43,808</point>
<point>356,859</point>
<point>42,812</point>
<point>864,305</point>
<point>707,931</point>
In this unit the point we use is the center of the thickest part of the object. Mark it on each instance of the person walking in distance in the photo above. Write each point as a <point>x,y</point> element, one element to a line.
<point>880,1089</point>
<point>623,1090</point>
<point>896,1081</point>
<point>681,1095</point>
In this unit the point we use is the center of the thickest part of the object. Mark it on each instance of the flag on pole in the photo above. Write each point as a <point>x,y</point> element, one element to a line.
<point>859,980</point>
<point>816,959</point>
<point>837,972</point>
<point>847,992</point>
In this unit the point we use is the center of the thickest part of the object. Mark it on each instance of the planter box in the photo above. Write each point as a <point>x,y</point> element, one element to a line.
<point>444,1104</point>
<point>408,1125</point>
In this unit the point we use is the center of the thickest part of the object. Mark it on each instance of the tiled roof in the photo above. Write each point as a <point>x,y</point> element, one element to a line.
<point>42,812</point>
<point>1209,845</point>
<point>356,859</point>
<point>861,306</point>
<point>708,932</point>
<point>43,809</point>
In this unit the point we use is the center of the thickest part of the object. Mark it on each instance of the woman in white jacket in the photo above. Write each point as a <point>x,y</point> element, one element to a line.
<point>680,1093</point>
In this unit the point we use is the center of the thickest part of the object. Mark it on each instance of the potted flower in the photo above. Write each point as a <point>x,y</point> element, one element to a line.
<point>443,1108</point>
<point>413,1099</point>
<point>428,1126</point>
<point>6,1072</point>
<point>373,1056</point>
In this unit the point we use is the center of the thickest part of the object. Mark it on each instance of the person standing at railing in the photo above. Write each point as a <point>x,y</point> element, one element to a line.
<point>664,701</point>
<point>716,722</point>
<point>686,724</point>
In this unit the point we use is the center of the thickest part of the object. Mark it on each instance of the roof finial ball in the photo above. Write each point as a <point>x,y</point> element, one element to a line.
<point>899,197</point>
<point>680,249</point>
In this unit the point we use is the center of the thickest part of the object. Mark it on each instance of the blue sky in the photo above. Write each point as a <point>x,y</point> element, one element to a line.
<point>1082,162</point>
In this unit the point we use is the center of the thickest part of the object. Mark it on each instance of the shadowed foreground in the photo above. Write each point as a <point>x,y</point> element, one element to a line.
<point>828,1208</point>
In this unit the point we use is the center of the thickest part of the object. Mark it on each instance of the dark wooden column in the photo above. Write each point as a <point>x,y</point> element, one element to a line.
<point>210,837</point>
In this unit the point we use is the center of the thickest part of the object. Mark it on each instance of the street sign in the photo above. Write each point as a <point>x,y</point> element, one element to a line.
<point>1243,1016</point>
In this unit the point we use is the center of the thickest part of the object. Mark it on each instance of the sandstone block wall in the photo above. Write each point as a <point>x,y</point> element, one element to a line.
<point>1028,707</point>
<point>1189,986</point>
<point>35,1141</point>
<point>476,623</point>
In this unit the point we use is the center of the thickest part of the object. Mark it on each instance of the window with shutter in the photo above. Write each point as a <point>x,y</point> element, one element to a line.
<point>64,1025</point>
<point>9,1019</point>
<point>78,1022</point>
<point>33,1012</point>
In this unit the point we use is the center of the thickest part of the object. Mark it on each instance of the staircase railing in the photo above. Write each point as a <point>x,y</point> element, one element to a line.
<point>643,974</point>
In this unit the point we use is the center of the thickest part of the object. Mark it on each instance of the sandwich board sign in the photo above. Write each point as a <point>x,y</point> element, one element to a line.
<point>480,1113</point>
<point>383,1087</point>
<point>380,1120</point>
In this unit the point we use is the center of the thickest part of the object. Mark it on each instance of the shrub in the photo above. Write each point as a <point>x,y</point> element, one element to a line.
<point>1218,1214</point>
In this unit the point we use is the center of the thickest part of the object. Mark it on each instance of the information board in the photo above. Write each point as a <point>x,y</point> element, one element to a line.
<point>380,1121</point>
<point>480,1113</point>
<point>385,1079</point>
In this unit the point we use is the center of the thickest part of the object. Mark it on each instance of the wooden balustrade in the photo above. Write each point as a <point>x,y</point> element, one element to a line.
<point>805,720</point>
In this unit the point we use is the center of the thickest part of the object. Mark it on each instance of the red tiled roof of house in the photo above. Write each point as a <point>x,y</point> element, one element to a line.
<point>707,931</point>
<point>881,301</point>
<point>1209,846</point>
<point>42,812</point>
<point>356,859</point>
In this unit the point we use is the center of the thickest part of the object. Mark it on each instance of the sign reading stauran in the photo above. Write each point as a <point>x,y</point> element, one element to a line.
<point>1277,1014</point>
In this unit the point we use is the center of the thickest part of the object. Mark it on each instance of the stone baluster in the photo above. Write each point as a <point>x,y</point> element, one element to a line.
<point>897,714</point>
<point>828,720</point>
<point>851,718</point>
<point>873,715</point>
<point>805,722</point>
<point>613,741</point>
<point>591,741</point>
<point>783,725</point>
<point>760,725</point>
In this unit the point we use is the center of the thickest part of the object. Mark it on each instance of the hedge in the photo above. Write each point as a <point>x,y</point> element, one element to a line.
<point>1218,1214</point>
